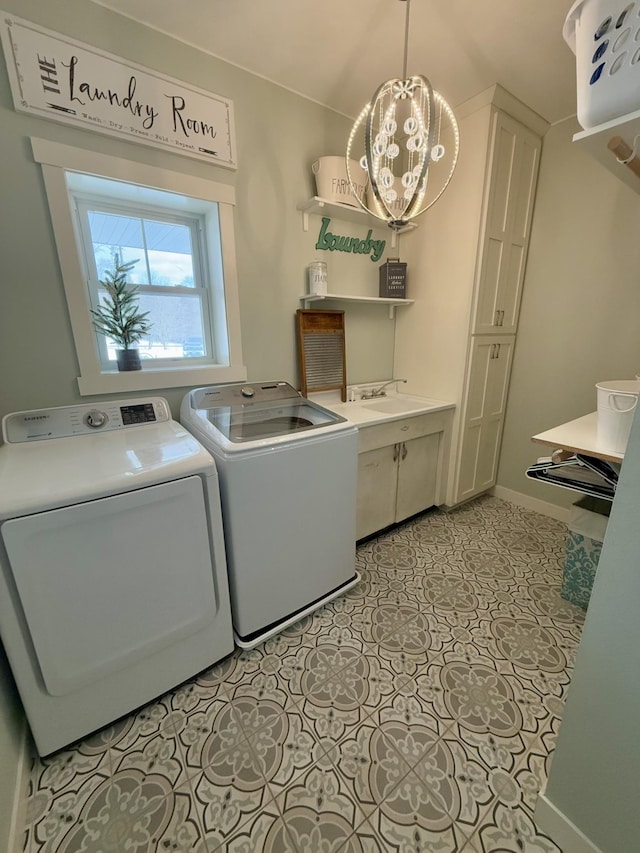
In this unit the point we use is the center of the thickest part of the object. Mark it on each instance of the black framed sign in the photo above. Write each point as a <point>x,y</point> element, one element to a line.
<point>62,79</point>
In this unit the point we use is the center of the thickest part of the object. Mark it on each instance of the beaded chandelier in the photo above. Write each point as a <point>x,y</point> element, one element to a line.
<point>406,139</point>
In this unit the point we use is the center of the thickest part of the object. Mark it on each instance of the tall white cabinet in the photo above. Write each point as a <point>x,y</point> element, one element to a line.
<point>466,265</point>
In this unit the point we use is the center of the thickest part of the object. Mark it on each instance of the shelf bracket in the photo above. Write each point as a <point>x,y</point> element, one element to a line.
<point>319,206</point>
<point>307,302</point>
<point>625,155</point>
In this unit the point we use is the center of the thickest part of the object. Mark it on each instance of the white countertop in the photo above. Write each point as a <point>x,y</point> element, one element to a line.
<point>361,414</point>
<point>581,436</point>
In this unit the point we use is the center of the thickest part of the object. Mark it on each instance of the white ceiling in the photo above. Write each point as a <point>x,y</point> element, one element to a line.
<point>337,52</point>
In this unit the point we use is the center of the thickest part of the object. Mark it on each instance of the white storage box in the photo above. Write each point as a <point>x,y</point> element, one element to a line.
<point>605,37</point>
<point>332,181</point>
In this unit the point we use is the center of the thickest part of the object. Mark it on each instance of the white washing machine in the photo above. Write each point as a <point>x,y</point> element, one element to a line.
<point>113,582</point>
<point>288,477</point>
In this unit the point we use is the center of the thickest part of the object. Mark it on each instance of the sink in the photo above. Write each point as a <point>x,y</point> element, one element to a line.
<point>395,405</point>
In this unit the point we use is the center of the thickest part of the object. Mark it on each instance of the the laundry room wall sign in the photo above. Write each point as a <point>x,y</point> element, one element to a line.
<point>64,80</point>
<point>336,243</point>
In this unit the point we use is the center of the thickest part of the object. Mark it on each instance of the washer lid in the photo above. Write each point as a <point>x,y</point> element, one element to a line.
<point>255,413</point>
<point>268,420</point>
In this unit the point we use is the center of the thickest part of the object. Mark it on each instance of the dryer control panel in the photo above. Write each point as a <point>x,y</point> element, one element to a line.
<point>84,419</point>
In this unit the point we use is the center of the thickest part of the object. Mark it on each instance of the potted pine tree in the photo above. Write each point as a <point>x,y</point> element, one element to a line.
<point>119,317</point>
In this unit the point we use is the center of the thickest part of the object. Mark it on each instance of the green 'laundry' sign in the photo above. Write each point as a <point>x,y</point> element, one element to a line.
<point>335,243</point>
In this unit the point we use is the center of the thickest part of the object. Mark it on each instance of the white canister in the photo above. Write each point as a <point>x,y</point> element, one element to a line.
<point>318,278</point>
<point>617,401</point>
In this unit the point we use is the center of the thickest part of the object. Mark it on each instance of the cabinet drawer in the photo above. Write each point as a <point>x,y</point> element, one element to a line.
<point>382,435</point>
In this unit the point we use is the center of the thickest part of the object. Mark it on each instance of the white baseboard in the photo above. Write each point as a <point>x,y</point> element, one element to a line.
<point>18,813</point>
<point>560,513</point>
<point>560,829</point>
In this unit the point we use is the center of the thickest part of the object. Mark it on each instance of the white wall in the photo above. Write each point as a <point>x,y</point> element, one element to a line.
<point>580,304</point>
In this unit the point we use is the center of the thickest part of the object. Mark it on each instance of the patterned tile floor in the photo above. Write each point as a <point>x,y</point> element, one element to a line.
<point>417,713</point>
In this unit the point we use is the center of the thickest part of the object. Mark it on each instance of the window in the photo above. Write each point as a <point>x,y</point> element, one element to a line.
<point>170,269</point>
<point>178,232</point>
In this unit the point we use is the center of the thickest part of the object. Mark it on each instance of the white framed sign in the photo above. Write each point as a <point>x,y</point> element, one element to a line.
<point>58,78</point>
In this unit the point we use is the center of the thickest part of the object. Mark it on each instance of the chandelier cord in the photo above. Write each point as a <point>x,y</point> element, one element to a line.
<point>406,41</point>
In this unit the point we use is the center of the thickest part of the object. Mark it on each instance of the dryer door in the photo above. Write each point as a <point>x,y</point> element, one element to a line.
<point>105,583</point>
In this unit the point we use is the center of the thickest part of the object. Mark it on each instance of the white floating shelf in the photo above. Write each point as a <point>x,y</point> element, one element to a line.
<point>595,140</point>
<point>349,213</point>
<point>392,304</point>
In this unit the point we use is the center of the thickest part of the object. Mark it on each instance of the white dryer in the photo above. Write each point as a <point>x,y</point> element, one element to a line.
<point>288,479</point>
<point>113,582</point>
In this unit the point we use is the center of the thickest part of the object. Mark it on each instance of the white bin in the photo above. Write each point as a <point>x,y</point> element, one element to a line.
<point>332,181</point>
<point>605,37</point>
<point>617,401</point>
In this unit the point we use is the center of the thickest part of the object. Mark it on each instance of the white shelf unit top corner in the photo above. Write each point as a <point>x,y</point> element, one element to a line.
<point>348,213</point>
<point>595,141</point>
<point>392,304</point>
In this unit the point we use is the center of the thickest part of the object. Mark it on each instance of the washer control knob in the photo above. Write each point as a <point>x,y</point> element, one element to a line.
<point>247,392</point>
<point>95,418</point>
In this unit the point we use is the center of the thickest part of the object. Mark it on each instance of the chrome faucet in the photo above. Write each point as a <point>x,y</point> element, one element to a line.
<point>379,392</point>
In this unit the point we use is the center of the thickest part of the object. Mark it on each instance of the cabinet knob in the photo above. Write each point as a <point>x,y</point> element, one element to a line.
<point>396,452</point>
<point>404,450</point>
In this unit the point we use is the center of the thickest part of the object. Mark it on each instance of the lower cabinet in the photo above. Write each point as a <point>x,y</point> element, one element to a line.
<point>400,469</point>
<point>483,414</point>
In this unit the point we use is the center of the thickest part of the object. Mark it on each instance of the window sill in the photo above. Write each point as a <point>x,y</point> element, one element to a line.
<point>148,379</point>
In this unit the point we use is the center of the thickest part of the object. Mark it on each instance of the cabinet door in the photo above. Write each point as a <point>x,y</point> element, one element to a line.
<point>486,398</point>
<point>417,475</point>
<point>504,238</point>
<point>494,233</point>
<point>377,488</point>
<point>524,180</point>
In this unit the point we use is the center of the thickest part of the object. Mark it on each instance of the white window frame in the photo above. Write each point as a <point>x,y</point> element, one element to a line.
<point>57,160</point>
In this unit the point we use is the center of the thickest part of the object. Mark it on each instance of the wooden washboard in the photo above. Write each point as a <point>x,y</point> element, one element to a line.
<point>321,351</point>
